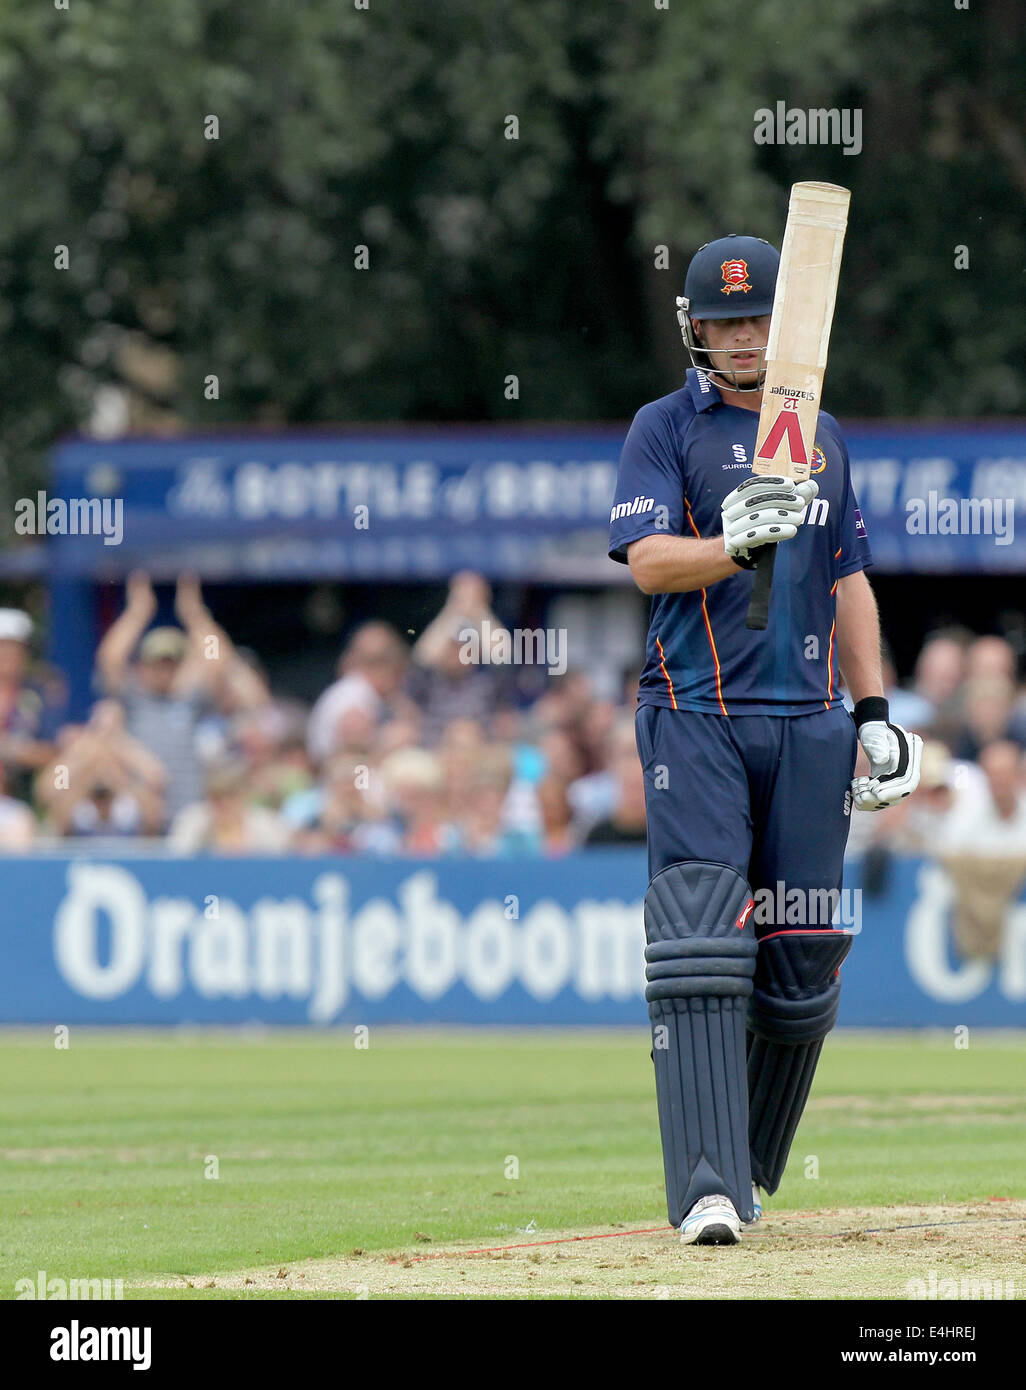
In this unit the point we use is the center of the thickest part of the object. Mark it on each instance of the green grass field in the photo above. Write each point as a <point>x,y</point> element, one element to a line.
<point>340,1169</point>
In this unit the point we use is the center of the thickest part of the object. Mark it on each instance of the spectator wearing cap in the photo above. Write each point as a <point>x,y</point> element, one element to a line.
<point>30,713</point>
<point>176,678</point>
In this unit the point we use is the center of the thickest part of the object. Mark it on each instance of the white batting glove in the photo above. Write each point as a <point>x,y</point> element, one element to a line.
<point>895,757</point>
<point>763,511</point>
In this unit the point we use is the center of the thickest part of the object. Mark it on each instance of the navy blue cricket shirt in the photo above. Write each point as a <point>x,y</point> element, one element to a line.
<point>682,456</point>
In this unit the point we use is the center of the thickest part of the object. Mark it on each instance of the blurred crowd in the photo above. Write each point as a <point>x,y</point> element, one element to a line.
<point>969,812</point>
<point>967,701</point>
<point>413,749</point>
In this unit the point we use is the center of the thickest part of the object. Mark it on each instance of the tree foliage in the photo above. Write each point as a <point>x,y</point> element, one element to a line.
<point>488,256</point>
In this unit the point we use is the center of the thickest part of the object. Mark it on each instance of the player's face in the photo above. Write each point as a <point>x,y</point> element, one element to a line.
<point>734,345</point>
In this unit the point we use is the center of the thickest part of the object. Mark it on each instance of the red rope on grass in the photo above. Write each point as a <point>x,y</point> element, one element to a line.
<point>671,1230</point>
<point>532,1244</point>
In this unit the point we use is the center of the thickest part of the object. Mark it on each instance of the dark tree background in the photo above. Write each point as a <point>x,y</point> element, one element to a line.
<point>385,127</point>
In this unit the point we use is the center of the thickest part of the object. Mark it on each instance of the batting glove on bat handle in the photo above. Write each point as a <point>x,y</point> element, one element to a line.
<point>763,511</point>
<point>895,757</point>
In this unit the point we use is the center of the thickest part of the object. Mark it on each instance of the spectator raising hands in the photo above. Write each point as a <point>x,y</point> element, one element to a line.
<point>430,749</point>
<point>178,674</point>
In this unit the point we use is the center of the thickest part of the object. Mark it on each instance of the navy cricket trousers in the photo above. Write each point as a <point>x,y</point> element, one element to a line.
<point>767,794</point>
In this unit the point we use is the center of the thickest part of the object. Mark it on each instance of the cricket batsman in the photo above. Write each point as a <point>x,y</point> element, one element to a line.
<point>748,751</point>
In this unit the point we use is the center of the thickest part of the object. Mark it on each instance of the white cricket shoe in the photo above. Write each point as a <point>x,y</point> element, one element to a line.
<point>757,1204</point>
<point>711,1221</point>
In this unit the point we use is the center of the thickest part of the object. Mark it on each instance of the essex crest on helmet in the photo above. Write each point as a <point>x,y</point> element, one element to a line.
<point>744,266</point>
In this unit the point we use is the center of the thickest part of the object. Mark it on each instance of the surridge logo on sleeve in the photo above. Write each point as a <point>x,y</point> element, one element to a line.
<point>735,277</point>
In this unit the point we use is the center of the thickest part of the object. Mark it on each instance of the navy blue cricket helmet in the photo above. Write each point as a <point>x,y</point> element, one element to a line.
<point>733,277</point>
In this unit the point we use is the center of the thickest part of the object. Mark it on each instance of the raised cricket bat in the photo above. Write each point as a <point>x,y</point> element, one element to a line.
<point>796,353</point>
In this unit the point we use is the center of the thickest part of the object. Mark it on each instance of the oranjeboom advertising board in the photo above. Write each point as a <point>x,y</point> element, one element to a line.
<point>336,941</point>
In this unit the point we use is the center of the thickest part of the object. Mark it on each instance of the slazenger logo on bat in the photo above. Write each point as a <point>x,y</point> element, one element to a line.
<point>790,391</point>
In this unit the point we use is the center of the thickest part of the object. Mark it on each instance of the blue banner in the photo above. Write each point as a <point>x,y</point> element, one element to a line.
<point>941,499</point>
<point>340,941</point>
<point>514,504</point>
<point>420,505</point>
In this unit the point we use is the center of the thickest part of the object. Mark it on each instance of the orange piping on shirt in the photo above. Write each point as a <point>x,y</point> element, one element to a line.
<point>666,674</point>
<point>830,653</point>
<point>830,666</point>
<point>708,624</point>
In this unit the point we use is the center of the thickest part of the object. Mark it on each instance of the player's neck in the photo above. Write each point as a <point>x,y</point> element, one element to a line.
<point>745,400</point>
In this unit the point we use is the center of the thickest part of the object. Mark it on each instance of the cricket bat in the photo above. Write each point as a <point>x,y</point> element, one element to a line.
<point>796,352</point>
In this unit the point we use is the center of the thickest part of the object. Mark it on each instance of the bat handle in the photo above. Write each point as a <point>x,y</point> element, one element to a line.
<point>758,607</point>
